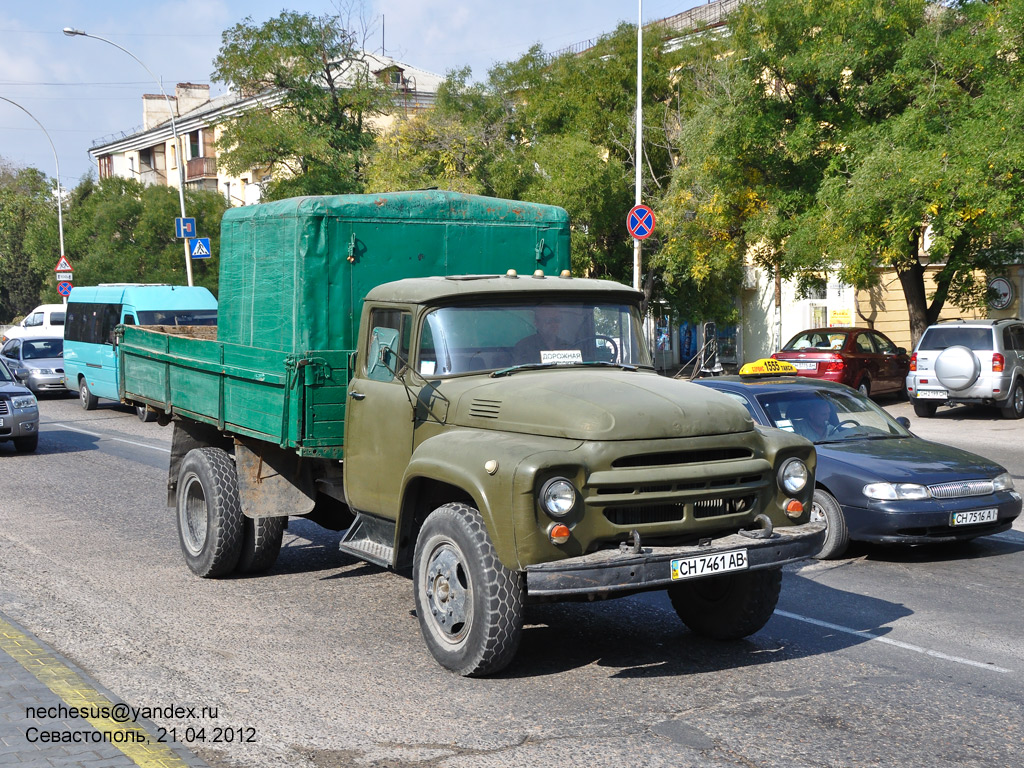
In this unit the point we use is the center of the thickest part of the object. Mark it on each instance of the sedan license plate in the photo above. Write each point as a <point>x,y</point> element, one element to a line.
<point>709,565</point>
<point>974,516</point>
<point>806,366</point>
<point>1,422</point>
<point>932,394</point>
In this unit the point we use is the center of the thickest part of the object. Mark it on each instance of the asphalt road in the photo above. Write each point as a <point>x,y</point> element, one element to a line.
<point>891,656</point>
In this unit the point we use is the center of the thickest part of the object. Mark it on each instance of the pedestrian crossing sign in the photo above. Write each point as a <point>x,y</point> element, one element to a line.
<point>199,247</point>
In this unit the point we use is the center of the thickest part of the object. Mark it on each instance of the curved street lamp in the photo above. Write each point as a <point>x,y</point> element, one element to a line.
<point>60,198</point>
<point>71,32</point>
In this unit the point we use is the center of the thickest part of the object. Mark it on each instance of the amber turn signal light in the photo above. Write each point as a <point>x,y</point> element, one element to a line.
<point>559,533</point>
<point>794,509</point>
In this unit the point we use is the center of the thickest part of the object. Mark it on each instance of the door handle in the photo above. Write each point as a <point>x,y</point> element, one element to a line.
<point>356,395</point>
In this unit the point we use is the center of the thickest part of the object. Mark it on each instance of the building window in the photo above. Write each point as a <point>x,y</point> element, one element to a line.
<point>106,164</point>
<point>174,156</point>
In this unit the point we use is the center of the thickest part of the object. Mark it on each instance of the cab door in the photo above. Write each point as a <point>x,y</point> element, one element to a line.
<point>379,415</point>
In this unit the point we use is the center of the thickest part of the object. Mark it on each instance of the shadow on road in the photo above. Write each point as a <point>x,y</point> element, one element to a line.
<point>641,636</point>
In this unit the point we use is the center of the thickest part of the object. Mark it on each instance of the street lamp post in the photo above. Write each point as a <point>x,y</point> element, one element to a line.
<point>70,32</point>
<point>60,197</point>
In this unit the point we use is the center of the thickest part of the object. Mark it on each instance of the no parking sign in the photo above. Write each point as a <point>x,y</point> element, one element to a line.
<point>640,222</point>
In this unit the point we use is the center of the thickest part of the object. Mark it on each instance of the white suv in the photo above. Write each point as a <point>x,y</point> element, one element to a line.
<point>969,361</point>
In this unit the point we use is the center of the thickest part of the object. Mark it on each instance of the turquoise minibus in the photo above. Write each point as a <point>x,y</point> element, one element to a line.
<point>93,311</point>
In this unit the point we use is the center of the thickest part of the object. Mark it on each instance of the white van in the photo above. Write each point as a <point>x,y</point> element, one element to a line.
<point>44,320</point>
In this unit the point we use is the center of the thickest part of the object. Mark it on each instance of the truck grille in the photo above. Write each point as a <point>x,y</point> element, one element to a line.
<point>664,513</point>
<point>961,489</point>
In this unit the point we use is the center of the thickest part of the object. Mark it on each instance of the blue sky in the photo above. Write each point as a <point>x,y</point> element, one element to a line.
<point>83,91</point>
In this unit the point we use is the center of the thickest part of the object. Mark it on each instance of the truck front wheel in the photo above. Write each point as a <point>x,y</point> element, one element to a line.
<point>729,606</point>
<point>469,605</point>
<point>210,519</point>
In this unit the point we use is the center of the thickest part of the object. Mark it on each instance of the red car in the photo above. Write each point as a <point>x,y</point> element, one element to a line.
<point>858,357</point>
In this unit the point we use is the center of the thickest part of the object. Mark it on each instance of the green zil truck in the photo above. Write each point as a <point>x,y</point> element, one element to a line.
<point>421,371</point>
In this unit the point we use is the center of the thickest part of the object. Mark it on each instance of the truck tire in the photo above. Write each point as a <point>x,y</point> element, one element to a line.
<point>210,518</point>
<point>730,606</point>
<point>469,605</point>
<point>824,508</point>
<point>87,398</point>
<point>261,543</point>
<point>1014,408</point>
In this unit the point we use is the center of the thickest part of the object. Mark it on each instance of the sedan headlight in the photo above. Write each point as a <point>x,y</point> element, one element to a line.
<point>793,476</point>
<point>43,371</point>
<point>558,497</point>
<point>1003,482</point>
<point>893,491</point>
<point>24,402</point>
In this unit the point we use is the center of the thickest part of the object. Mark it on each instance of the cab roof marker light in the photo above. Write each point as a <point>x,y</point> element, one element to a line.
<point>565,273</point>
<point>512,273</point>
<point>539,274</point>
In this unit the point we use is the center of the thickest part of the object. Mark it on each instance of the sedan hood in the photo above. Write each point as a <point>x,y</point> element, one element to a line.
<point>43,362</point>
<point>904,460</point>
<point>599,404</point>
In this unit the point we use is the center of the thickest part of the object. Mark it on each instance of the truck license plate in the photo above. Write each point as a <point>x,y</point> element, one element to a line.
<point>974,516</point>
<point>1,422</point>
<point>932,394</point>
<point>709,565</point>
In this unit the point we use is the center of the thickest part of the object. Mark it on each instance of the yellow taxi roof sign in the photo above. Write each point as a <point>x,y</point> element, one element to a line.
<point>767,367</point>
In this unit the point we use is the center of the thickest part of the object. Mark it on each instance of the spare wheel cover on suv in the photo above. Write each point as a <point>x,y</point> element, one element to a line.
<point>957,367</point>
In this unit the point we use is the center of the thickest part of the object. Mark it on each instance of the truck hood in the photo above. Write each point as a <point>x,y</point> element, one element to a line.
<point>599,404</point>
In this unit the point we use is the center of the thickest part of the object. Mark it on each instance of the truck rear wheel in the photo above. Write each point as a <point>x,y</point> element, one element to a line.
<point>261,543</point>
<point>210,518</point>
<point>730,606</point>
<point>469,605</point>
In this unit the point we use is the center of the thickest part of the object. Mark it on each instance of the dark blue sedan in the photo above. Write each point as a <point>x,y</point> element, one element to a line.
<point>875,481</point>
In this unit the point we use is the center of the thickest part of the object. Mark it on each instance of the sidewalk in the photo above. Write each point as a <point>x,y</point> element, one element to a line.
<point>53,716</point>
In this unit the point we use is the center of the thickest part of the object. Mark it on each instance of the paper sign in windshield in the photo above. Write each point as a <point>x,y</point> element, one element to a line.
<point>561,356</point>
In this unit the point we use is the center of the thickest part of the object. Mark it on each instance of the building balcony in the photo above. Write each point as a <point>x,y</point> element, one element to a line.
<point>199,168</point>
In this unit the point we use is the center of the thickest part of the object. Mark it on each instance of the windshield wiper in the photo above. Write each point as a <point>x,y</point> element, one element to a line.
<point>523,367</point>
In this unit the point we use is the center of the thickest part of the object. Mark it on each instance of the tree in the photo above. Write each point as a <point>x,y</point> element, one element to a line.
<point>25,198</point>
<point>835,132</point>
<point>556,130</point>
<point>312,134</point>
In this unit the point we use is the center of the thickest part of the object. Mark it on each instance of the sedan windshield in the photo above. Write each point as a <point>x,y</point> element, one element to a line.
<point>465,339</point>
<point>826,416</point>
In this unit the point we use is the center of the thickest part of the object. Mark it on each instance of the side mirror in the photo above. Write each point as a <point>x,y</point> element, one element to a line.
<point>383,359</point>
<point>903,421</point>
<point>901,351</point>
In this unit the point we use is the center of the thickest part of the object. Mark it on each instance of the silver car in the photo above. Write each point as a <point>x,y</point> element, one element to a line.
<point>969,361</point>
<point>41,360</point>
<point>19,413</point>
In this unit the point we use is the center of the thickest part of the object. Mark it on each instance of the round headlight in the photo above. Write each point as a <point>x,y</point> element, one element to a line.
<point>793,476</point>
<point>558,497</point>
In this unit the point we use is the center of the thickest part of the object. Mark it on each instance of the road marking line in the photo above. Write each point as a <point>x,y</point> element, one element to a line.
<point>882,639</point>
<point>77,692</point>
<point>107,437</point>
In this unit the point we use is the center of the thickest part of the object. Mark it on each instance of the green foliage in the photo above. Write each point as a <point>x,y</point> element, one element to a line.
<point>318,90</point>
<point>26,201</point>
<point>118,231</point>
<point>834,132</point>
<point>553,130</point>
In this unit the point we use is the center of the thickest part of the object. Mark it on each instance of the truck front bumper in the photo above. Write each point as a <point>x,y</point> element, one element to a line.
<point>610,572</point>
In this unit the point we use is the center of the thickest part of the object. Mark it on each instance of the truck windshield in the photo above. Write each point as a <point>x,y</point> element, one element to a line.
<point>467,339</point>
